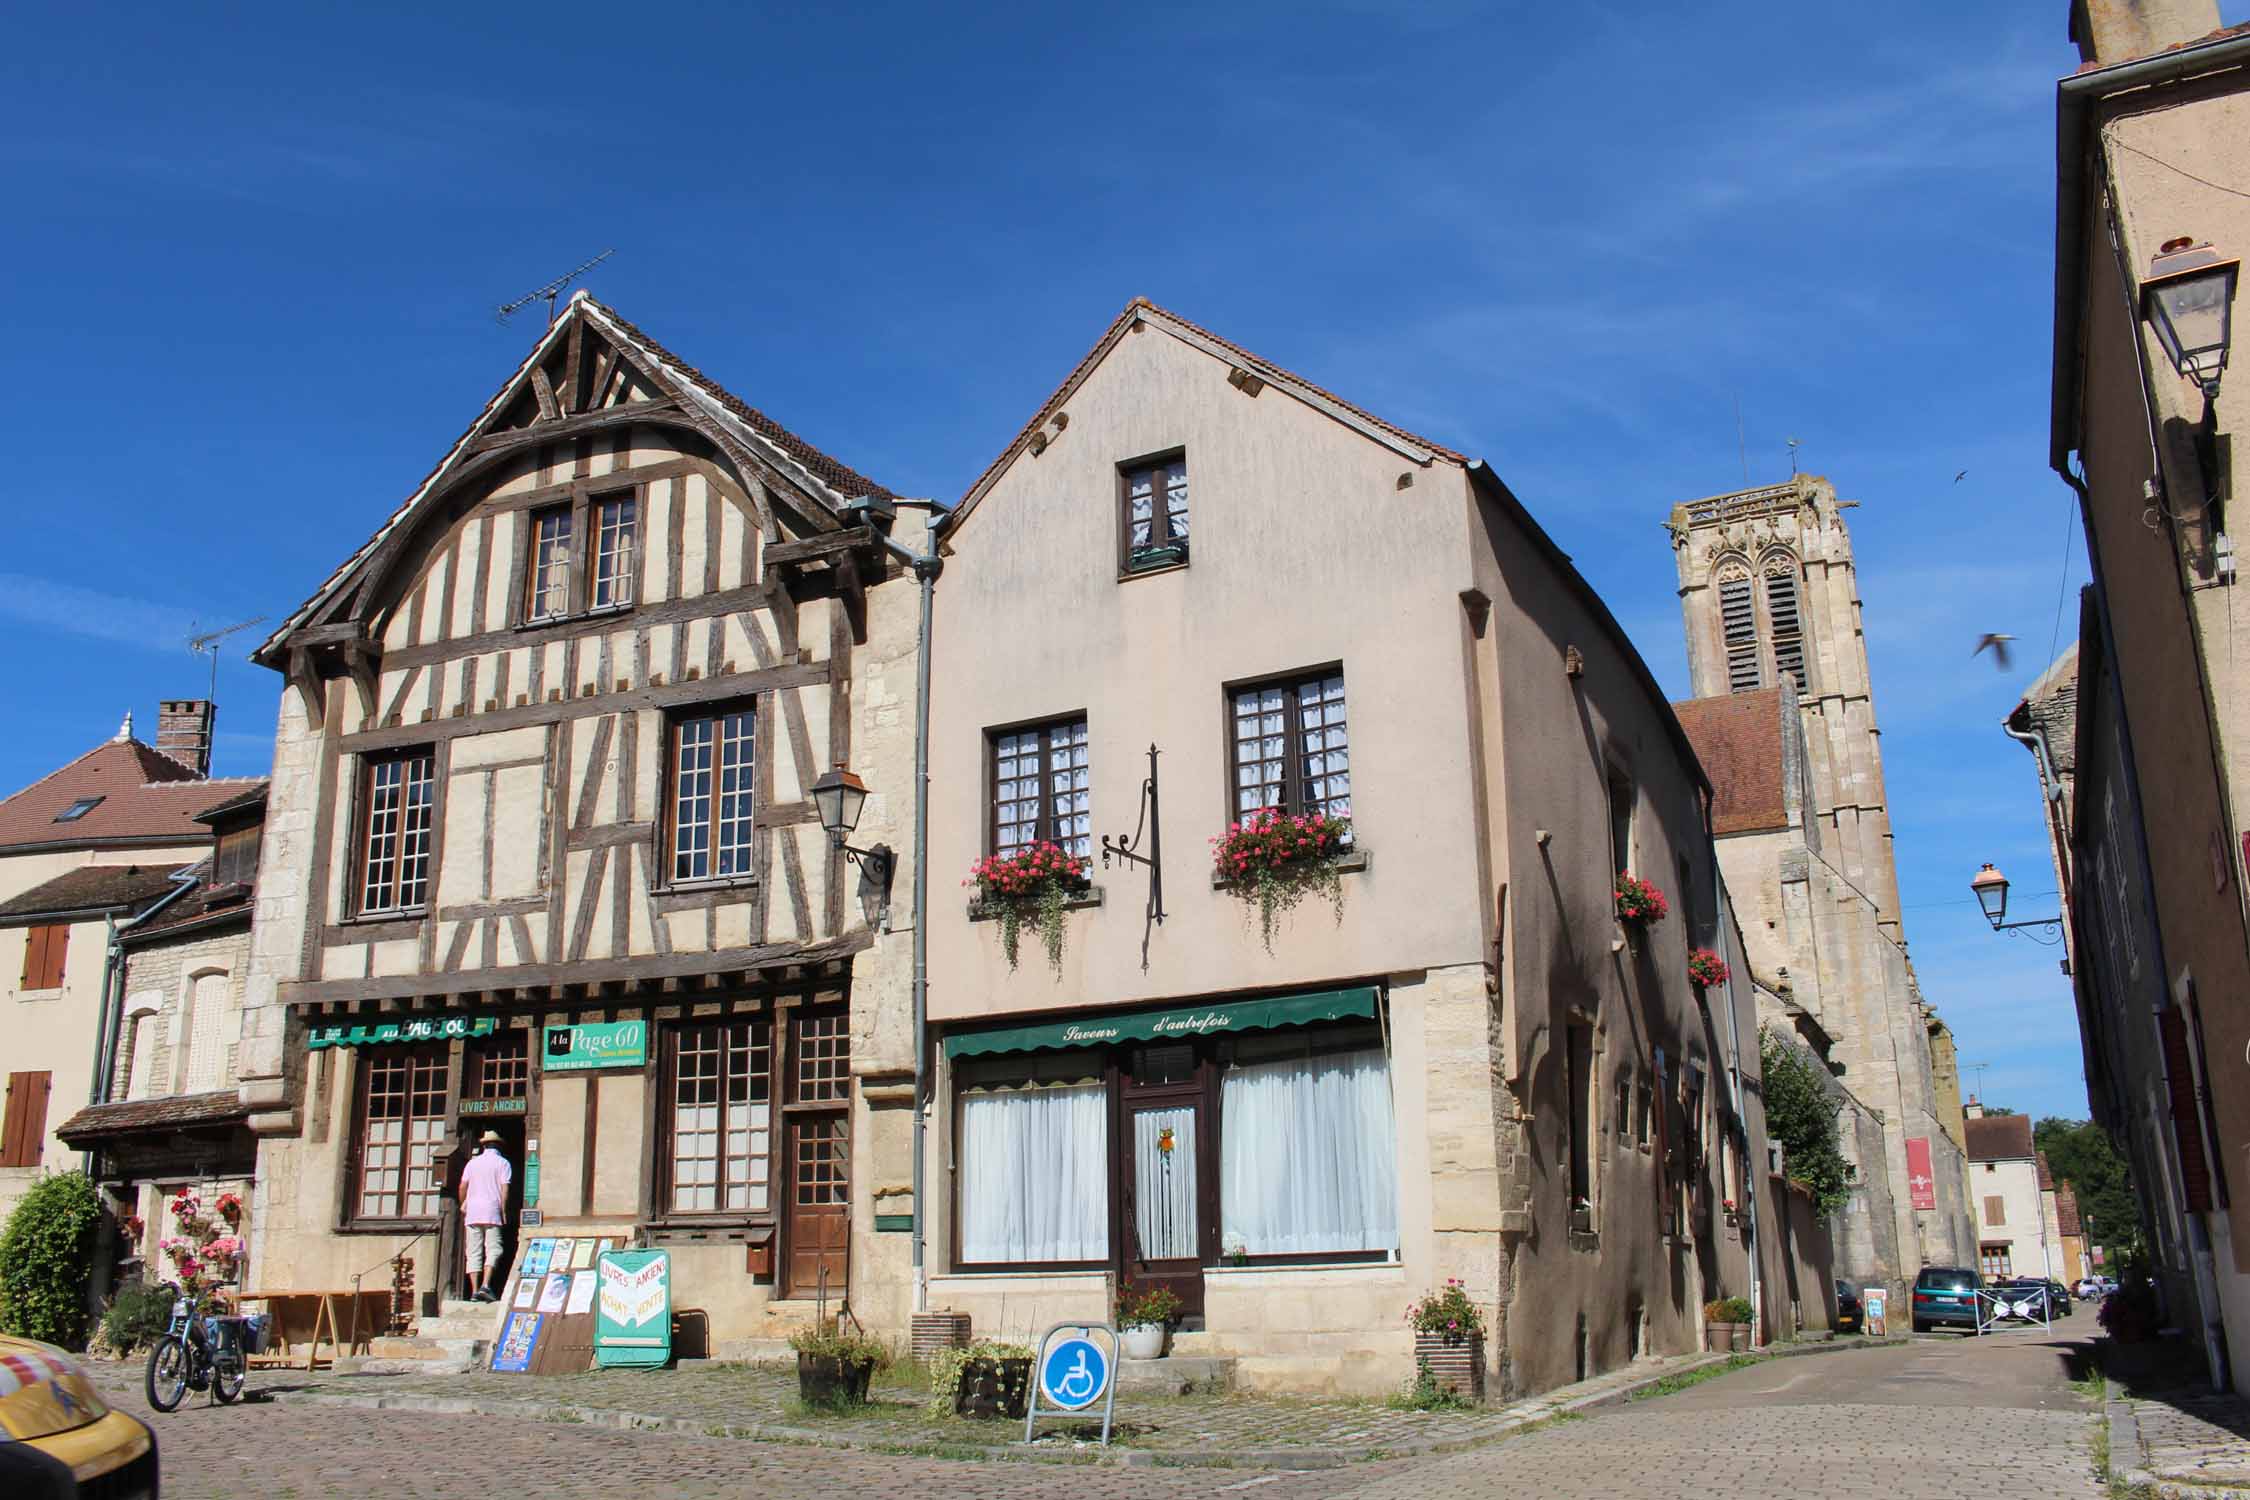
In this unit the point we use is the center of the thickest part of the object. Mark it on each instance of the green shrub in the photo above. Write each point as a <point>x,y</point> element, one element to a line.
<point>827,1339</point>
<point>136,1316</point>
<point>1423,1393</point>
<point>1727,1310</point>
<point>47,1259</point>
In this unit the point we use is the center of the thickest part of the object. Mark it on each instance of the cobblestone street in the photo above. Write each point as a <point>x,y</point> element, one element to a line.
<point>1941,1417</point>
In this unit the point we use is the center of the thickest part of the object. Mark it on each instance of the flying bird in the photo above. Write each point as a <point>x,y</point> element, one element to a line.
<point>1998,643</point>
<point>1960,476</point>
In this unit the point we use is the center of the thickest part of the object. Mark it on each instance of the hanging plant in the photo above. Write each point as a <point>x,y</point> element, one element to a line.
<point>1272,860</point>
<point>1033,884</point>
<point>1638,901</point>
<point>202,1257</point>
<point>1706,970</point>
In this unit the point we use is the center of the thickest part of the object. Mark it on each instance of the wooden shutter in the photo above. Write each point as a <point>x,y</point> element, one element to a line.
<point>2187,1118</point>
<point>43,951</point>
<point>23,1131</point>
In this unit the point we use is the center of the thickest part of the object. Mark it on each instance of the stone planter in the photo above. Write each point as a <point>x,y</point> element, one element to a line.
<point>1142,1341</point>
<point>993,1388</point>
<point>1719,1338</point>
<point>824,1380</point>
<point>1455,1362</point>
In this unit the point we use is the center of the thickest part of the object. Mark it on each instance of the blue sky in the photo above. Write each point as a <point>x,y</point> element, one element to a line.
<point>253,256</point>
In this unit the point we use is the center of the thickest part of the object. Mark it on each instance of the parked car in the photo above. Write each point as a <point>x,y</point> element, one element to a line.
<point>2061,1293</point>
<point>58,1438</point>
<point>2030,1298</point>
<point>2088,1288</point>
<point>1850,1315</point>
<point>1945,1295</point>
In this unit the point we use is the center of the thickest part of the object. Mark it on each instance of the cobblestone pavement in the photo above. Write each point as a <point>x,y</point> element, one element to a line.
<point>1996,1419</point>
<point>2195,1436</point>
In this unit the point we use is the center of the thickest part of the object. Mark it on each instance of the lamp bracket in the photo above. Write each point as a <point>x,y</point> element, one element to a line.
<point>1119,847</point>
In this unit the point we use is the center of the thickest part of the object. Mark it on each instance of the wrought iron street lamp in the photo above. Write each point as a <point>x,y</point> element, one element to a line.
<point>839,795</point>
<point>1991,890</point>
<point>2188,299</point>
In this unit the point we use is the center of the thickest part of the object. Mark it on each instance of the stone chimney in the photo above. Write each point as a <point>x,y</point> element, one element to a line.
<point>2115,31</point>
<point>183,731</point>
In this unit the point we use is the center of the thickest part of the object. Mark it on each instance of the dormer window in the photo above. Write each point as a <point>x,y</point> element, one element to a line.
<point>78,809</point>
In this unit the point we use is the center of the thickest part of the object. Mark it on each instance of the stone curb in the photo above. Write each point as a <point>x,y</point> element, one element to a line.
<point>1518,1417</point>
<point>2133,1472</point>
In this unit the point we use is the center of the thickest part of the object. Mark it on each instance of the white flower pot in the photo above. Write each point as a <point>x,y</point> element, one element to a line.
<point>1143,1342</point>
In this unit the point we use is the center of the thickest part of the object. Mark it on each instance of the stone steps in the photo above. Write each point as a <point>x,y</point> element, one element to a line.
<point>1180,1375</point>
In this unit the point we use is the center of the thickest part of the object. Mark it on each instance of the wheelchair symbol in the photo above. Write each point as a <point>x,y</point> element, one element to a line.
<point>1075,1374</point>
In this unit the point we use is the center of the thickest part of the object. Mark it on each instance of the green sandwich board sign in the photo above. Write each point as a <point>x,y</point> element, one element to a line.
<point>633,1308</point>
<point>595,1044</point>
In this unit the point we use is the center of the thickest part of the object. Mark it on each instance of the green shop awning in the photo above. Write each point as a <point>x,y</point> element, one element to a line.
<point>437,1028</point>
<point>1183,1021</point>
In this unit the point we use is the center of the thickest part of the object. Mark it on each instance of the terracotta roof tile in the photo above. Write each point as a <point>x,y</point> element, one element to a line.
<point>206,906</point>
<point>92,888</point>
<point>1738,739</point>
<point>133,1116</point>
<point>129,777</point>
<point>1999,1138</point>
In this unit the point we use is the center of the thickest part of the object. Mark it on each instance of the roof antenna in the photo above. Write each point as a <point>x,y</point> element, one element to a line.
<point>1792,458</point>
<point>206,643</point>
<point>547,293</point>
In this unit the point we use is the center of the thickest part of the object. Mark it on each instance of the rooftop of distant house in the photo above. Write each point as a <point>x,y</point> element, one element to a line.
<point>121,793</point>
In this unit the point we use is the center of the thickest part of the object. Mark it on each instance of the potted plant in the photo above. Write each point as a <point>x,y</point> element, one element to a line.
<point>1639,903</point>
<point>1273,860</point>
<point>834,1367</point>
<point>1033,884</point>
<point>1144,1317</point>
<point>987,1379</point>
<point>1706,970</point>
<point>1726,1324</point>
<point>1449,1341</point>
<point>1235,1251</point>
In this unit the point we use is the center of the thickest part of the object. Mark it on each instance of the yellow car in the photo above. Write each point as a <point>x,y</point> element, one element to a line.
<point>59,1440</point>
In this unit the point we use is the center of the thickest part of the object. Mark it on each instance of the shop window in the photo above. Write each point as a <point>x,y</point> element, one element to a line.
<point>395,809</point>
<point>1033,1156</point>
<point>821,1049</point>
<point>499,1066</point>
<point>717,1130</point>
<point>399,1121</point>
<point>1290,747</point>
<point>1308,1162</point>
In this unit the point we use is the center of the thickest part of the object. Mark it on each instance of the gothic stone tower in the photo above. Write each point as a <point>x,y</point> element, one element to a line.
<point>1768,589</point>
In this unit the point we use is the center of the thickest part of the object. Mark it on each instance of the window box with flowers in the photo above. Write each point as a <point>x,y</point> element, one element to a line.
<point>1272,860</point>
<point>1639,902</point>
<point>1449,1341</point>
<point>1706,970</point>
<point>1037,884</point>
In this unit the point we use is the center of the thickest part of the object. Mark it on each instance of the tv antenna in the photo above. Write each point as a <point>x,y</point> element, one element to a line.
<point>1978,1069</point>
<point>1792,455</point>
<point>206,643</point>
<point>547,293</point>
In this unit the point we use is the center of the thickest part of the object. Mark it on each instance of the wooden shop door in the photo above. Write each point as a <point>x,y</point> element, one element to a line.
<point>817,1219</point>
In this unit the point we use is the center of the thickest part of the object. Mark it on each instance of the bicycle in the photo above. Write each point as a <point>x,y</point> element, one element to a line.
<point>199,1351</point>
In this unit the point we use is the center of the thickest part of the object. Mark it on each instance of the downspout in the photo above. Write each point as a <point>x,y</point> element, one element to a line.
<point>1751,1179</point>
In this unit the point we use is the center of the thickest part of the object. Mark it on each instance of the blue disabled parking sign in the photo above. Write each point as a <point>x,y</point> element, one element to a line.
<point>1074,1373</point>
<point>1075,1369</point>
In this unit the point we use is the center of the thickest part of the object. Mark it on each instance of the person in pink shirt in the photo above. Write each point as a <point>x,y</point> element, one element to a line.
<point>484,1213</point>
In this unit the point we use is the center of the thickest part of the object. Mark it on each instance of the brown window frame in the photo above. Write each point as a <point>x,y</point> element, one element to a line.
<point>582,554</point>
<point>498,1065</point>
<point>1161,535</point>
<point>1045,825</point>
<point>363,816</point>
<point>420,1060</point>
<point>46,950</point>
<point>538,568</point>
<point>760,751</point>
<point>760,1032</point>
<point>627,554</point>
<point>1292,800</point>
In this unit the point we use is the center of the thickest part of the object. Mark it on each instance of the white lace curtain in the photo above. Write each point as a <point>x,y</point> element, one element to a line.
<point>1308,1159</point>
<point>1034,1179</point>
<point>1164,1184</point>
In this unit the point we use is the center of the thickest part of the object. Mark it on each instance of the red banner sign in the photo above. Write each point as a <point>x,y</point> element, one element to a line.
<point>1921,1184</point>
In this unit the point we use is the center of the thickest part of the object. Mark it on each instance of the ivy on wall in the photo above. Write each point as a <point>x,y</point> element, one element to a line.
<point>1801,1115</point>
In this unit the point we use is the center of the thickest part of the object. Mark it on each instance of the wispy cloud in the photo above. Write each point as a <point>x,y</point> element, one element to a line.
<point>66,609</point>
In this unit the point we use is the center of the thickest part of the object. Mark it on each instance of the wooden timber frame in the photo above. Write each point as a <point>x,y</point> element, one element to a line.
<point>550,895</point>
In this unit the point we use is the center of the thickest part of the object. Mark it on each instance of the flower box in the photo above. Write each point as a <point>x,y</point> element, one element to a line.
<point>826,1380</point>
<point>993,1388</point>
<point>1454,1362</point>
<point>1272,860</point>
<point>1639,902</point>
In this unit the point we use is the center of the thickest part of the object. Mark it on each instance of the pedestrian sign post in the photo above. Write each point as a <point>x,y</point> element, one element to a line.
<point>1076,1366</point>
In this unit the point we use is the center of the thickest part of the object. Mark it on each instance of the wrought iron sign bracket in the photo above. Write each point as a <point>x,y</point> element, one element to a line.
<point>1119,847</point>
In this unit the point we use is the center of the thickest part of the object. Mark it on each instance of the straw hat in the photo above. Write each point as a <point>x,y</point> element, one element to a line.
<point>490,1138</point>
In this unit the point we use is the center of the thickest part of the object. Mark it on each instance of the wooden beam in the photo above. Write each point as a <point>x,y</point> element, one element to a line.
<point>663,612</point>
<point>576,425</point>
<point>824,547</point>
<point>646,970</point>
<point>669,695</point>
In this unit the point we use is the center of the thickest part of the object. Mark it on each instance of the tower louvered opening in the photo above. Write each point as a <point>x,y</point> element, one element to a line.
<point>1738,624</point>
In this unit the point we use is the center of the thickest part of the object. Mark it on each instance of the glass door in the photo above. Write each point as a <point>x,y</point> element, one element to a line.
<point>1168,1186</point>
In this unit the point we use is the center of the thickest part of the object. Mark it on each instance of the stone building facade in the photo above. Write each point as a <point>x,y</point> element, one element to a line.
<point>2149,446</point>
<point>1784,717</point>
<point>1293,604</point>
<point>542,858</point>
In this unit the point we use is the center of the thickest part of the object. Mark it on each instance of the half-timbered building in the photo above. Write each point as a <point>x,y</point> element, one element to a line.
<point>541,855</point>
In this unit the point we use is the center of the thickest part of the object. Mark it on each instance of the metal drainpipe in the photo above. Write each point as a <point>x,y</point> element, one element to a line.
<point>112,1006</point>
<point>1751,1182</point>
